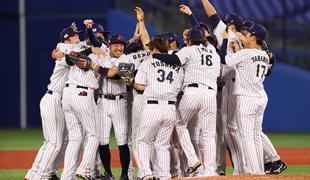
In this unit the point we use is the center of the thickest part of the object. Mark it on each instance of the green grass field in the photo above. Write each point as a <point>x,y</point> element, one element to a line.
<point>32,139</point>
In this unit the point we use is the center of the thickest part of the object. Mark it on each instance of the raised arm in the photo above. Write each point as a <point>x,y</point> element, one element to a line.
<point>89,33</point>
<point>187,11</point>
<point>209,9</point>
<point>145,38</point>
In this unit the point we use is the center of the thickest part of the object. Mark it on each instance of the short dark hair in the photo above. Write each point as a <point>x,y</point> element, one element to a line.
<point>198,42</point>
<point>161,44</point>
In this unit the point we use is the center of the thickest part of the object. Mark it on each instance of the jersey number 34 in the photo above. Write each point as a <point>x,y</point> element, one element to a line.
<point>165,76</point>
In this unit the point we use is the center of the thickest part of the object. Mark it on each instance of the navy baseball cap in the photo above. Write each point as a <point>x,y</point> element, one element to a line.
<point>68,32</point>
<point>196,33</point>
<point>99,28</point>
<point>133,47</point>
<point>247,24</point>
<point>171,37</point>
<point>117,39</point>
<point>259,31</point>
<point>233,19</point>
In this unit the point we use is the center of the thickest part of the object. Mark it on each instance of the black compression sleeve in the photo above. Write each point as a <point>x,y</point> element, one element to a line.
<point>213,21</point>
<point>86,51</point>
<point>93,39</point>
<point>223,51</point>
<point>168,58</point>
<point>193,20</point>
<point>116,77</point>
<point>103,71</point>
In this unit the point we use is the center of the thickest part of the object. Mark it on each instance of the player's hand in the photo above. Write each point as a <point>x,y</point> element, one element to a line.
<point>112,71</point>
<point>98,51</point>
<point>234,45</point>
<point>185,9</point>
<point>56,54</point>
<point>139,14</point>
<point>88,23</point>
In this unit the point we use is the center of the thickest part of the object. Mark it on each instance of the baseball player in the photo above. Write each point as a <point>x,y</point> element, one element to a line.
<point>161,84</point>
<point>227,110</point>
<point>251,99</point>
<point>202,67</point>
<point>79,107</point>
<point>53,121</point>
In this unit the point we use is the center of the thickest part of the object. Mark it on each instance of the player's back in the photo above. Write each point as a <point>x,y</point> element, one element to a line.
<point>201,64</point>
<point>164,81</point>
<point>250,73</point>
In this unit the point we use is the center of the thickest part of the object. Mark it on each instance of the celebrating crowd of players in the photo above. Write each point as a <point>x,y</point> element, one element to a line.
<point>185,107</point>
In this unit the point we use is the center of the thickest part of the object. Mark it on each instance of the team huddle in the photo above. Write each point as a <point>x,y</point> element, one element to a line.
<point>175,110</point>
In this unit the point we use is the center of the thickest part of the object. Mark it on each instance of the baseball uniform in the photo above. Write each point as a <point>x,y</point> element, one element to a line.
<point>158,116</point>
<point>228,132</point>
<point>251,100</point>
<point>79,107</point>
<point>53,122</point>
<point>202,67</point>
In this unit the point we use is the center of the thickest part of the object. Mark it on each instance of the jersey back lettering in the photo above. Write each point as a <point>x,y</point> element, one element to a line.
<point>163,81</point>
<point>251,67</point>
<point>201,64</point>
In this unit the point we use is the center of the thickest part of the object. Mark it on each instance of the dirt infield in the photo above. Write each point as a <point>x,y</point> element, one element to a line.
<point>250,177</point>
<point>24,159</point>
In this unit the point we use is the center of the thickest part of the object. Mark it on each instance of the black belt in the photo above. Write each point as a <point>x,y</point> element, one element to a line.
<point>196,86</point>
<point>49,92</point>
<point>233,79</point>
<point>156,102</point>
<point>111,96</point>
<point>78,86</point>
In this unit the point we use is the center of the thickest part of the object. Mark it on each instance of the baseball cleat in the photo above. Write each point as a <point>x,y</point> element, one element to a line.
<point>108,176</point>
<point>268,167</point>
<point>192,169</point>
<point>278,167</point>
<point>124,177</point>
<point>85,177</point>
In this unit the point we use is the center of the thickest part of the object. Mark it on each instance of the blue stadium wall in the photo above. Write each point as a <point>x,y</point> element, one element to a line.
<point>288,88</point>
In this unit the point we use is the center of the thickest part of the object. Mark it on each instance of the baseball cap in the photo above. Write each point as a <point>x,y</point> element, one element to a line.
<point>233,19</point>
<point>247,24</point>
<point>68,32</point>
<point>99,28</point>
<point>259,31</point>
<point>171,37</point>
<point>117,39</point>
<point>196,33</point>
<point>133,47</point>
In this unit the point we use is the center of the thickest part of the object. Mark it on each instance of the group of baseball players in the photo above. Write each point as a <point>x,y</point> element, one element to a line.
<point>176,114</point>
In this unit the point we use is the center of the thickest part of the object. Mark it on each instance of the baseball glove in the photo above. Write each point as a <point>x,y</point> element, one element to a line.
<point>125,71</point>
<point>80,60</point>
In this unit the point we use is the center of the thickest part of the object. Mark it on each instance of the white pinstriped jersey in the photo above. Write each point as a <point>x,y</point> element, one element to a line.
<point>105,48</point>
<point>228,73</point>
<point>251,67</point>
<point>61,69</point>
<point>163,81</point>
<point>113,86</point>
<point>87,78</point>
<point>59,76</point>
<point>201,64</point>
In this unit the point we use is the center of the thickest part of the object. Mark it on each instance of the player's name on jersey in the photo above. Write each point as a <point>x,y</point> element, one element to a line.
<point>260,58</point>
<point>140,55</point>
<point>162,64</point>
<point>204,50</point>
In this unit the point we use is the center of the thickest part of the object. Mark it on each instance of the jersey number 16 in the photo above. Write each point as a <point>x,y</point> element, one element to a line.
<point>206,60</point>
